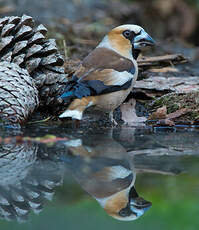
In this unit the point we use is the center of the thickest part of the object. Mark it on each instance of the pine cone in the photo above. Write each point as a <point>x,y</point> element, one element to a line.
<point>24,43</point>
<point>18,94</point>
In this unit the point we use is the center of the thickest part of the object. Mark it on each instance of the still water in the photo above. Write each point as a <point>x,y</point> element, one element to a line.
<point>124,178</point>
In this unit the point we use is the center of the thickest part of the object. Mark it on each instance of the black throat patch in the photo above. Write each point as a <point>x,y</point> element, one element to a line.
<point>135,53</point>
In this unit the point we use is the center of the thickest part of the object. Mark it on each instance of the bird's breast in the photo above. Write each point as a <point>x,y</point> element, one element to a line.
<point>109,102</point>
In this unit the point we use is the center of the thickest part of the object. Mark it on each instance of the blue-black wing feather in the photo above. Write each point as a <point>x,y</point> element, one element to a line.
<point>75,89</point>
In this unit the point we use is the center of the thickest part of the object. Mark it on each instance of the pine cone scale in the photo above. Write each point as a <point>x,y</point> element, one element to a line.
<point>36,38</point>
<point>6,31</point>
<point>14,20</point>
<point>19,46</point>
<point>24,31</point>
<point>5,42</point>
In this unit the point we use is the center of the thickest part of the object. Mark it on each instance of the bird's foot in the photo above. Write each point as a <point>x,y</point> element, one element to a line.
<point>113,121</point>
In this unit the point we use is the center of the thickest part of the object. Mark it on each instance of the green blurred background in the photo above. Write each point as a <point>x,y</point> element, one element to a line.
<point>175,206</point>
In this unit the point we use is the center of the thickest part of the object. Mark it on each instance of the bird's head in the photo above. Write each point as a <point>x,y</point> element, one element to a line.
<point>129,40</point>
<point>126,205</point>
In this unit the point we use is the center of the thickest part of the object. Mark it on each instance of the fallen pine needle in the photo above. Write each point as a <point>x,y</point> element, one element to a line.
<point>41,121</point>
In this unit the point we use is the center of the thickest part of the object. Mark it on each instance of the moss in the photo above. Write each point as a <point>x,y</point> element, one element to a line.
<point>175,101</point>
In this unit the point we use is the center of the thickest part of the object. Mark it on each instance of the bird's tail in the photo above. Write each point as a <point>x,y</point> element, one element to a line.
<point>67,93</point>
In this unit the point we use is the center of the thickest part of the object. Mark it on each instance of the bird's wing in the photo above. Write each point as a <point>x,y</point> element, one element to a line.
<point>101,72</point>
<point>101,64</point>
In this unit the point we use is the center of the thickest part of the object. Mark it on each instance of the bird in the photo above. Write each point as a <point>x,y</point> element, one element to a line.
<point>104,169</point>
<point>106,76</point>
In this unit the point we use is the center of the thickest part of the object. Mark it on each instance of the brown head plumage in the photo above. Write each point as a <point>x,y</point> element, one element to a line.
<point>129,38</point>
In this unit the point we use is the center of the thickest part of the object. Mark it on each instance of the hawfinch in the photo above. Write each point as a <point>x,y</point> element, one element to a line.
<point>108,176</point>
<point>106,76</point>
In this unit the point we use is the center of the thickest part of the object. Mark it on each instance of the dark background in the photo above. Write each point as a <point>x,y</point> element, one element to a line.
<point>84,22</point>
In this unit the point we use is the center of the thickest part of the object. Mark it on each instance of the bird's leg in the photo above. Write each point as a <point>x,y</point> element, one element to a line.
<point>77,124</point>
<point>114,122</point>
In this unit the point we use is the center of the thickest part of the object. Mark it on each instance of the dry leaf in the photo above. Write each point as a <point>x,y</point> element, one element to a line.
<point>178,113</point>
<point>129,113</point>
<point>165,119</point>
<point>160,113</point>
<point>165,85</point>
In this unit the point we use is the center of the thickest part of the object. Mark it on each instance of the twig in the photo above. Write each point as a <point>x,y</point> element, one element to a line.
<point>161,60</point>
<point>65,50</point>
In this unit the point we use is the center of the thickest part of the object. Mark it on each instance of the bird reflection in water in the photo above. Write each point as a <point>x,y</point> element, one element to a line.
<point>29,174</point>
<point>104,169</point>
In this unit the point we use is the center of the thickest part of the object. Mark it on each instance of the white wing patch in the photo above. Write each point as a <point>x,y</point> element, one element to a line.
<point>120,78</point>
<point>117,172</point>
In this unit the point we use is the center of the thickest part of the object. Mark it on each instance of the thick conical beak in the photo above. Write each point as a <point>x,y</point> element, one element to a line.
<point>142,40</point>
<point>138,205</point>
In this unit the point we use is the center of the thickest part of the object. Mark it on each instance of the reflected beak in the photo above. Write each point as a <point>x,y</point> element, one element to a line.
<point>142,40</point>
<point>137,204</point>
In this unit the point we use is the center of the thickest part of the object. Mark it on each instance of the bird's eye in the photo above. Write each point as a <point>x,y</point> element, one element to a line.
<point>125,212</point>
<point>127,33</point>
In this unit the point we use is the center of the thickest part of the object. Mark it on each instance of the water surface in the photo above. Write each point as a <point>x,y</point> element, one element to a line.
<point>95,179</point>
